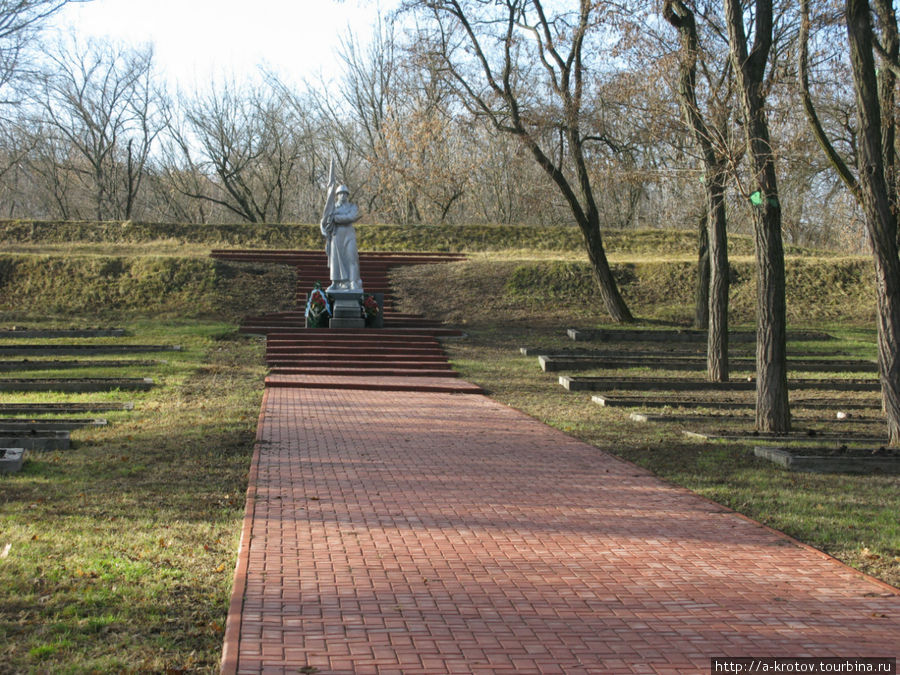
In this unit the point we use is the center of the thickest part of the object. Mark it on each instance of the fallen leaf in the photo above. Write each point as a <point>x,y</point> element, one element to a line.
<point>5,552</point>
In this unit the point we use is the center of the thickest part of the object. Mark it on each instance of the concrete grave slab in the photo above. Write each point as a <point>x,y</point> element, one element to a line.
<point>62,333</point>
<point>832,438</point>
<point>640,402</point>
<point>619,353</point>
<point>45,440</point>
<point>712,419</point>
<point>681,402</point>
<point>649,418</point>
<point>677,335</point>
<point>31,364</point>
<point>675,384</point>
<point>11,459</point>
<point>550,363</point>
<point>684,350</point>
<point>63,408</point>
<point>75,384</point>
<point>823,463</point>
<point>81,349</point>
<point>37,426</point>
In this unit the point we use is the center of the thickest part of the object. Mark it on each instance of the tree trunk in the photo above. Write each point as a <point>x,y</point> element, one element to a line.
<point>714,279</point>
<point>881,221</point>
<point>609,290</point>
<point>887,84</point>
<point>717,369</point>
<point>888,293</point>
<point>701,293</point>
<point>772,408</point>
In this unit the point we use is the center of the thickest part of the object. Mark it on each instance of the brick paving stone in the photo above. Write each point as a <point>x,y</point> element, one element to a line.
<point>416,532</point>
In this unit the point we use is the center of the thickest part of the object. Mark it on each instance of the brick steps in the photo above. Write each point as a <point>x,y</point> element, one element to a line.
<point>447,385</point>
<point>370,371</point>
<point>350,341</point>
<point>298,318</point>
<point>338,349</point>
<point>274,329</point>
<point>265,326</point>
<point>381,335</point>
<point>403,356</point>
<point>298,315</point>
<point>361,368</point>
<point>285,357</point>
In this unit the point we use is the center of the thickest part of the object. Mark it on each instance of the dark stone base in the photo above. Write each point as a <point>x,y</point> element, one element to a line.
<point>338,322</point>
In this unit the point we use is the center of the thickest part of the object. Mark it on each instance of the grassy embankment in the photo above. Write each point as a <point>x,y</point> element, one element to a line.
<point>121,550</point>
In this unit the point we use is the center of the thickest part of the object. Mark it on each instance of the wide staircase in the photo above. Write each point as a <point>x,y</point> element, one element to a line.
<point>405,355</point>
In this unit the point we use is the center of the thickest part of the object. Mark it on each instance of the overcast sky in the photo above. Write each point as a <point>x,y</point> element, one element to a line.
<point>198,40</point>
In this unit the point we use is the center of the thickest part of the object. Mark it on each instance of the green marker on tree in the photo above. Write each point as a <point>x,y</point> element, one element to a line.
<point>757,199</point>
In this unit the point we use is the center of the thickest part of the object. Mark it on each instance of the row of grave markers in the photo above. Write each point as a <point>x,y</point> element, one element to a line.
<point>845,435</point>
<point>30,427</point>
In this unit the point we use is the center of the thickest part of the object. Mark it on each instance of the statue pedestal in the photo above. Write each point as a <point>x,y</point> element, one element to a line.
<point>345,310</point>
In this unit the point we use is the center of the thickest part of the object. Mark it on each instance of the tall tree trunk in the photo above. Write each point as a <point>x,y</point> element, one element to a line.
<point>717,369</point>
<point>887,84</point>
<point>881,221</point>
<point>715,285</point>
<point>701,292</point>
<point>772,409</point>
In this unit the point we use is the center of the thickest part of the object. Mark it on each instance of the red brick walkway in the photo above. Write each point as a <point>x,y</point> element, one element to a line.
<point>410,532</point>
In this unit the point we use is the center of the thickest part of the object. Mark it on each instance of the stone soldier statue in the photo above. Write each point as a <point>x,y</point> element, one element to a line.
<point>340,238</point>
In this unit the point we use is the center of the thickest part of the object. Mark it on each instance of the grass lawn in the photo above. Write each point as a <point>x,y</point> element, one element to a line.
<point>118,555</point>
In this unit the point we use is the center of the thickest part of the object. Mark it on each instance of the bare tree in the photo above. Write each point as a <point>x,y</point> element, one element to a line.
<point>53,166</point>
<point>500,58</point>
<point>750,64</point>
<point>20,23</point>
<point>875,184</point>
<point>101,100</point>
<point>361,113</point>
<point>240,152</point>
<point>711,139</point>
